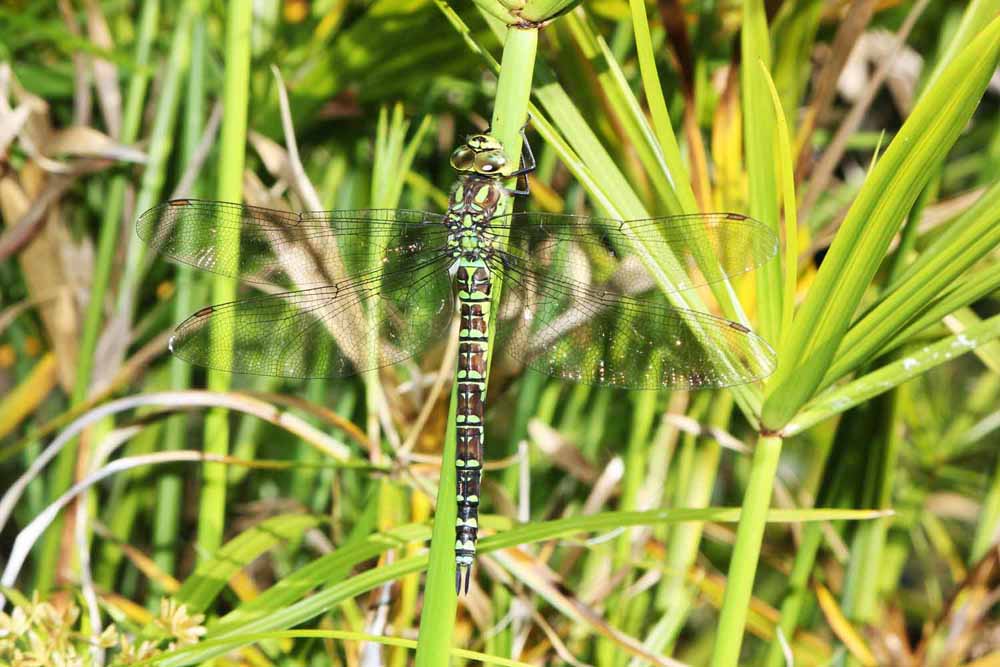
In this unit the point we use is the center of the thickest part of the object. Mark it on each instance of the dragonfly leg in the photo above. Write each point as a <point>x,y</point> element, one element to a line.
<point>528,165</point>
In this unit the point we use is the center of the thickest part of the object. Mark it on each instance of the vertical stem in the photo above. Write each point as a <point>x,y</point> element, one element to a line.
<point>440,603</point>
<point>236,89</point>
<point>111,225</point>
<point>746,552</point>
<point>169,486</point>
<point>798,591</point>
<point>436,627</point>
<point>510,110</point>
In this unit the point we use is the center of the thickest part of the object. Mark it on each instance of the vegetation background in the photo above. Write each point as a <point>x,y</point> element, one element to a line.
<point>844,511</point>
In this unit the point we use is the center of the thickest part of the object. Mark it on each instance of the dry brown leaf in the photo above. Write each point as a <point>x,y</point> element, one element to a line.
<point>82,141</point>
<point>109,94</point>
<point>42,267</point>
<point>537,576</point>
<point>563,453</point>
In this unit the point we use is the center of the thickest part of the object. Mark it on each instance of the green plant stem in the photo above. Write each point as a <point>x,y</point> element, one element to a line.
<point>798,592</point>
<point>436,629</point>
<point>62,474</point>
<point>236,90</point>
<point>169,485</point>
<point>746,552</point>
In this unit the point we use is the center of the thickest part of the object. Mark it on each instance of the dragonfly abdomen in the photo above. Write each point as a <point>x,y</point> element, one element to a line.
<point>474,293</point>
<point>473,204</point>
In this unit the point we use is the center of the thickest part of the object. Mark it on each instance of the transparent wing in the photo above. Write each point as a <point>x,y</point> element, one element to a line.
<point>707,247</point>
<point>584,309</point>
<point>287,249</point>
<point>329,331</point>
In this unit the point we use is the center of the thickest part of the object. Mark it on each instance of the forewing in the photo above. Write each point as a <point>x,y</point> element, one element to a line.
<point>282,248</point>
<point>328,331</point>
<point>559,323</point>
<point>706,247</point>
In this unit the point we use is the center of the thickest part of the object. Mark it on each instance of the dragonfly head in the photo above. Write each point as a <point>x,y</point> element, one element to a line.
<point>480,154</point>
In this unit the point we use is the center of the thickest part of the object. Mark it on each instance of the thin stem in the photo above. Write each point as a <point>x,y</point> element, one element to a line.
<point>169,486</point>
<point>746,552</point>
<point>236,89</point>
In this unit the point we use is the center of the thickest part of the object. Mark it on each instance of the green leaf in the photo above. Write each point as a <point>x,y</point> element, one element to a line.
<point>969,289</point>
<point>276,608</point>
<point>759,134</point>
<point>871,222</point>
<point>213,574</point>
<point>252,638</point>
<point>885,378</point>
<point>668,148</point>
<point>786,175</point>
<point>974,235</point>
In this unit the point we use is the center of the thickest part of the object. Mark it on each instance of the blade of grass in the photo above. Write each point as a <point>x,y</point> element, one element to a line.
<point>758,137</point>
<point>333,634</point>
<point>287,604</point>
<point>974,235</point>
<point>973,287</point>
<point>212,574</point>
<point>889,376</point>
<point>169,486</point>
<point>662,162</point>
<point>676,594</point>
<point>786,178</point>
<point>623,103</point>
<point>668,147</point>
<point>797,594</point>
<point>236,90</point>
<point>978,14</point>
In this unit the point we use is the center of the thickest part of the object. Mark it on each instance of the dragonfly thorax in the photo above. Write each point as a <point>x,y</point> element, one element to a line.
<point>473,204</point>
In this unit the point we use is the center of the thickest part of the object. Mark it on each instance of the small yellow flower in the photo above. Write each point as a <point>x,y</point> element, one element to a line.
<point>128,654</point>
<point>14,625</point>
<point>176,622</point>
<point>108,638</point>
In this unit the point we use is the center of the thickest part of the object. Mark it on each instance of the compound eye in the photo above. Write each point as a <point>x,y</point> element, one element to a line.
<point>492,162</point>
<point>463,158</point>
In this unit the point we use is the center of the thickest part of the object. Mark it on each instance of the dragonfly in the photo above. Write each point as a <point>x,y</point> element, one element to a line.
<point>349,291</point>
